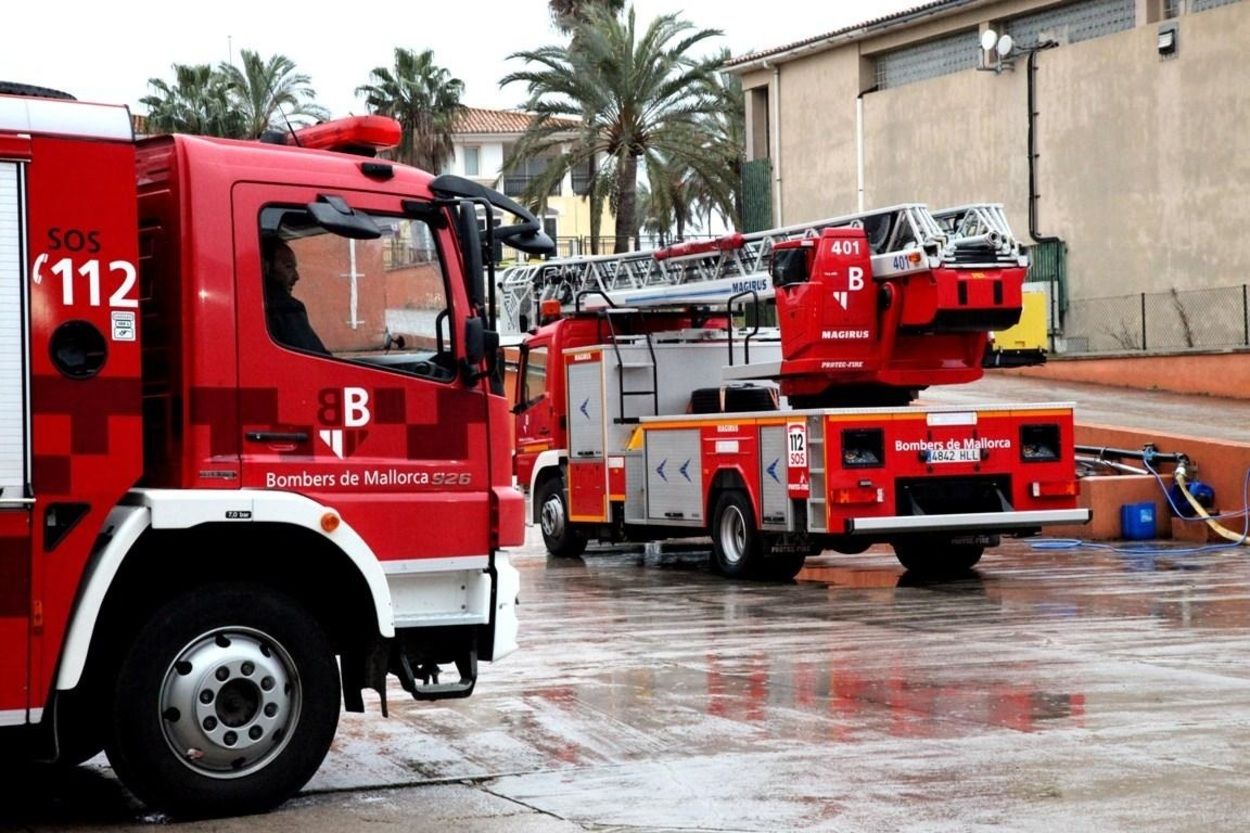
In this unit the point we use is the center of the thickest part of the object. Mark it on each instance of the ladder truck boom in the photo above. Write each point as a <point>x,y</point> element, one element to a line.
<point>711,271</point>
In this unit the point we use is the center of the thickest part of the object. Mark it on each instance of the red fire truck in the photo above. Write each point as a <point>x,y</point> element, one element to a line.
<point>250,421</point>
<point>645,411</point>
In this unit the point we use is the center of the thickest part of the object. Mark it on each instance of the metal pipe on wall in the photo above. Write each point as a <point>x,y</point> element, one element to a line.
<point>1032,88</point>
<point>859,150</point>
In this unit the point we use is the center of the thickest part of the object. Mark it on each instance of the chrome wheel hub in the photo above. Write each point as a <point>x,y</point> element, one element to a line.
<point>229,702</point>
<point>733,535</point>
<point>552,517</point>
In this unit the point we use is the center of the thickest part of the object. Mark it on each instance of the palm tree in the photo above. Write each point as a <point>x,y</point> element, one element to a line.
<point>566,14</point>
<point>635,96</point>
<point>424,99</point>
<point>664,204</point>
<point>197,102</point>
<point>724,134</point>
<point>266,89</point>
<point>710,183</point>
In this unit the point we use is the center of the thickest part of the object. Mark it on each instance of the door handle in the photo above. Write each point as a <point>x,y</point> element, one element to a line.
<point>544,431</point>
<point>277,436</point>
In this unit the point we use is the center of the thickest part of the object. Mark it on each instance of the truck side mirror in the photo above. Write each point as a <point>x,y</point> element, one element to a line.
<point>790,266</point>
<point>474,341</point>
<point>471,248</point>
<point>333,214</point>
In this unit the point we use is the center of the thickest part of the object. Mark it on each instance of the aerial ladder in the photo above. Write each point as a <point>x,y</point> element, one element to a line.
<point>710,271</point>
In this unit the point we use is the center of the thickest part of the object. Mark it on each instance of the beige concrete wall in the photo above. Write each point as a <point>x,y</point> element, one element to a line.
<point>950,140</point>
<point>1144,165</point>
<point>817,114</point>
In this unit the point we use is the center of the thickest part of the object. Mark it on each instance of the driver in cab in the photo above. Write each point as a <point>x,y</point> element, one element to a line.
<point>286,315</point>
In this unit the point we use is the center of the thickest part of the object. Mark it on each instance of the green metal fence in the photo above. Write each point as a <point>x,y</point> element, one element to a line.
<point>757,195</point>
<point>1049,265</point>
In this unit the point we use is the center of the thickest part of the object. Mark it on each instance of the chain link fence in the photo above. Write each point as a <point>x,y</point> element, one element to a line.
<point>1152,321</point>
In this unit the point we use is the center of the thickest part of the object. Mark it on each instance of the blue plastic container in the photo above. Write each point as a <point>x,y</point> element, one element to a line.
<point>1137,521</point>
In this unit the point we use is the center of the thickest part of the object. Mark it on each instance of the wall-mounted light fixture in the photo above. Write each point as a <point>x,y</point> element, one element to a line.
<point>996,52</point>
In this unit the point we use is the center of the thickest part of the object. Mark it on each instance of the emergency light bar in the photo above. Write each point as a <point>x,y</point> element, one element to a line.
<point>349,135</point>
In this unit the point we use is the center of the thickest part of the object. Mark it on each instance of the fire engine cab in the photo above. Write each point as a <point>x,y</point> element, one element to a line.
<point>253,445</point>
<point>647,410</point>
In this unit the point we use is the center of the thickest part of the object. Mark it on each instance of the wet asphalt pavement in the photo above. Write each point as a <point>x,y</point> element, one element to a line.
<point>1049,690</point>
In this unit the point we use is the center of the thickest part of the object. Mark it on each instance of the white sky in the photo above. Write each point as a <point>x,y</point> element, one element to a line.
<point>106,51</point>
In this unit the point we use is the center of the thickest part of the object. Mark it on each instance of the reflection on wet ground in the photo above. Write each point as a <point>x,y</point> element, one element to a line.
<point>1046,690</point>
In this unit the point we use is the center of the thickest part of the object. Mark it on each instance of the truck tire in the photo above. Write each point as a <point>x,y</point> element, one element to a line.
<point>705,401</point>
<point>561,537</point>
<point>225,704</point>
<point>937,557</point>
<point>737,546</point>
<point>11,88</point>
<point>748,398</point>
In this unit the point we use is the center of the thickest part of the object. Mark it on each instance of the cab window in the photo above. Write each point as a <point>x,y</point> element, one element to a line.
<point>381,302</point>
<point>535,374</point>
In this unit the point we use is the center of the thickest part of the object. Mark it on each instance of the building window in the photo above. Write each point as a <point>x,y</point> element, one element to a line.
<point>1203,5</point>
<point>1074,22</point>
<point>472,161</point>
<point>582,176</point>
<point>930,59</point>
<point>517,179</point>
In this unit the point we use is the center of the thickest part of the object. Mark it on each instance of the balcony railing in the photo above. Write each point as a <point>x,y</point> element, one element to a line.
<point>514,185</point>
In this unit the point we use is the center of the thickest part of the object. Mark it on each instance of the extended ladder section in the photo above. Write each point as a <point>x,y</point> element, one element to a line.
<point>711,272</point>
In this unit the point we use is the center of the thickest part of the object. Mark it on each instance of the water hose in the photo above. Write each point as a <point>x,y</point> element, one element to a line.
<point>1179,475</point>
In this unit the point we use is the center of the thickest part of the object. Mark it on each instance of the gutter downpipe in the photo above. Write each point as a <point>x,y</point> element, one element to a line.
<point>859,151</point>
<point>1037,236</point>
<point>1032,87</point>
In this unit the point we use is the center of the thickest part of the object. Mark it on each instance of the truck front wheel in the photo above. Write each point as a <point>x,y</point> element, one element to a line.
<point>935,557</point>
<point>737,546</point>
<point>225,704</point>
<point>561,538</point>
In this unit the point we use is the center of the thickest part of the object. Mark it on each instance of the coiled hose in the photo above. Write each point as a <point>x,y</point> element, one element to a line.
<point>1179,475</point>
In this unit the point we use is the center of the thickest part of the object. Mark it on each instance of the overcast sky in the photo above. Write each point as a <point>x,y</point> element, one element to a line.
<point>106,51</point>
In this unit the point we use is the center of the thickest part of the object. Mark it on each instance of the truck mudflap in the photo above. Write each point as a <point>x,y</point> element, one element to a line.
<point>981,522</point>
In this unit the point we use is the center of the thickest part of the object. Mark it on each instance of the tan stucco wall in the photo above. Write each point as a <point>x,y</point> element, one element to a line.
<point>1147,166</point>
<point>817,108</point>
<point>948,141</point>
<point>1144,162</point>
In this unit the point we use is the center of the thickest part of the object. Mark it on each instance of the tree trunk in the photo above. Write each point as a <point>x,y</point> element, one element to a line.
<point>627,201</point>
